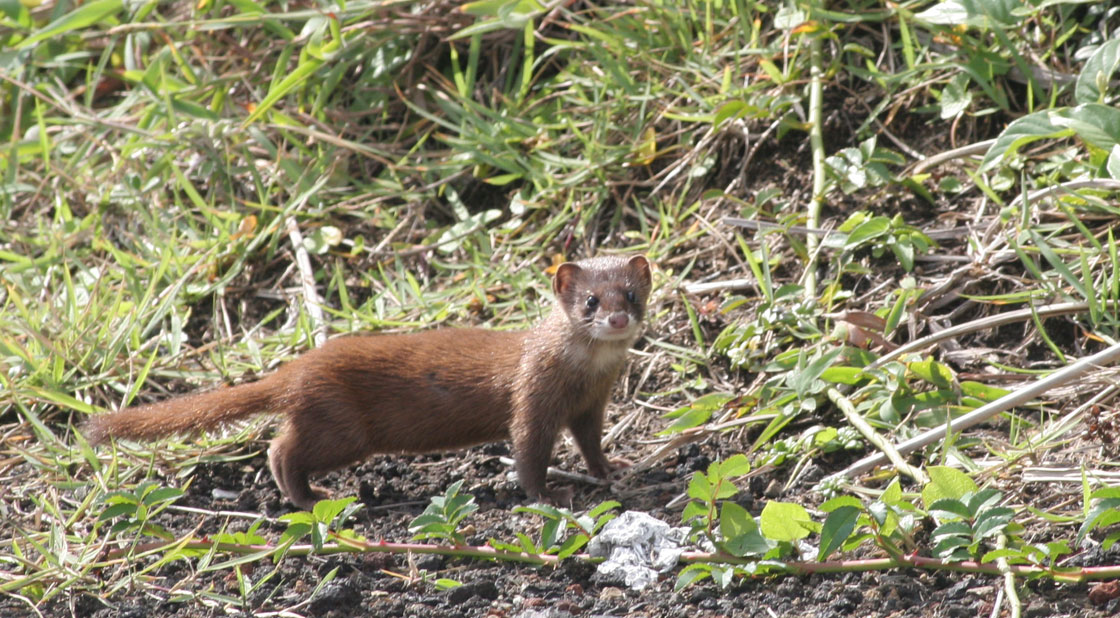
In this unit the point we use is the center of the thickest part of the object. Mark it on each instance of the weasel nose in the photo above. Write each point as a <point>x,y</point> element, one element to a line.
<point>619,320</point>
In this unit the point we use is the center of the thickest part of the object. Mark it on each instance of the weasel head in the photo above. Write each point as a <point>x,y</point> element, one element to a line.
<point>604,298</point>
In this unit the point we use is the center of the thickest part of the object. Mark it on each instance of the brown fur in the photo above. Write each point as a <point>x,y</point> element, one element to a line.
<point>433,391</point>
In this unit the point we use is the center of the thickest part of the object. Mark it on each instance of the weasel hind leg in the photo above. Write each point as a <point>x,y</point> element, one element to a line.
<point>291,472</point>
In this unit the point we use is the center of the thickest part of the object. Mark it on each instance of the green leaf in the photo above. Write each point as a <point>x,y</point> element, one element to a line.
<point>741,536</point>
<point>699,488</point>
<point>955,97</point>
<point>1092,83</point>
<point>977,13</point>
<point>804,378</point>
<point>307,67</point>
<point>1005,552</point>
<point>903,250</point>
<point>1097,124</point>
<point>982,391</point>
<point>735,466</point>
<point>117,510</point>
<point>1019,133</point>
<point>956,528</point>
<point>983,500</point>
<point>328,510</point>
<point>872,228</point>
<point>603,507</point>
<point>162,494</point>
<point>299,517</point>
<point>950,508</point>
<point>893,493</point>
<point>843,375</point>
<point>695,510</point>
<point>294,532</point>
<point>933,372</point>
<point>1105,493</point>
<point>1102,513</point>
<point>992,521</point>
<point>572,545</point>
<point>444,583</point>
<point>785,521</point>
<point>838,526</point>
<point>946,482</point>
<point>1113,164</point>
<point>500,8</point>
<point>841,501</point>
<point>692,574</point>
<point>731,109</point>
<point>82,17</point>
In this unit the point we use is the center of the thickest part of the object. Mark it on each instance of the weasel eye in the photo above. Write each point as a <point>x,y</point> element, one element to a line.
<point>631,297</point>
<point>592,302</point>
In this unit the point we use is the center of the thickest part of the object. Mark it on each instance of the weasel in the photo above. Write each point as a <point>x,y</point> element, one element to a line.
<point>435,390</point>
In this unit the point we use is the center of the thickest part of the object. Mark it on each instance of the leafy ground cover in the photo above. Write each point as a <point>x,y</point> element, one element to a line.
<point>876,378</point>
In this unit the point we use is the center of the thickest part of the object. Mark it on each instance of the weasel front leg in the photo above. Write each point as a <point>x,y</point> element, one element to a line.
<point>534,429</point>
<point>587,430</point>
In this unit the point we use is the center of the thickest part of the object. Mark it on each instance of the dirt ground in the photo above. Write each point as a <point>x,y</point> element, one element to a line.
<point>395,489</point>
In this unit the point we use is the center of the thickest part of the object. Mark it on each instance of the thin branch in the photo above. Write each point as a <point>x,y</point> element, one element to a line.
<point>983,413</point>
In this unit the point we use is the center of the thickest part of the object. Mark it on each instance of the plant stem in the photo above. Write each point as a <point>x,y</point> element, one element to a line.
<point>350,546</point>
<point>1069,576</point>
<point>816,143</point>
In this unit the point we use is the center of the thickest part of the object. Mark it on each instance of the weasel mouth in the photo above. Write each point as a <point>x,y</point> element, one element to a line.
<point>604,332</point>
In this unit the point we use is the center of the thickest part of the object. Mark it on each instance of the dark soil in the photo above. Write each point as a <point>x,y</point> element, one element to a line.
<point>396,489</point>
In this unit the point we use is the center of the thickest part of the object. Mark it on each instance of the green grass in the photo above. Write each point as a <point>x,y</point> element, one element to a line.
<point>437,160</point>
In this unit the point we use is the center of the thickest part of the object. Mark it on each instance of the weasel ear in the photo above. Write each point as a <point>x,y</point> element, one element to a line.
<point>564,278</point>
<point>640,265</point>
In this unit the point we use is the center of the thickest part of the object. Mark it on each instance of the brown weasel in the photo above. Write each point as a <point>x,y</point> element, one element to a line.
<point>435,390</point>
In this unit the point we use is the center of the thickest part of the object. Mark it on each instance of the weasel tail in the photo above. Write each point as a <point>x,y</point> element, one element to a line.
<point>190,414</point>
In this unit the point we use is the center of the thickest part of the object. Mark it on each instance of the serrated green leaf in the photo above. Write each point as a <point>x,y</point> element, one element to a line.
<point>741,536</point>
<point>785,521</point>
<point>1103,513</point>
<point>699,488</point>
<point>893,493</point>
<point>162,494</point>
<point>991,521</point>
<point>1005,552</point>
<point>328,510</point>
<point>946,482</point>
<point>983,499</point>
<point>603,507</point>
<point>735,466</point>
<point>948,508</point>
<point>953,528</point>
